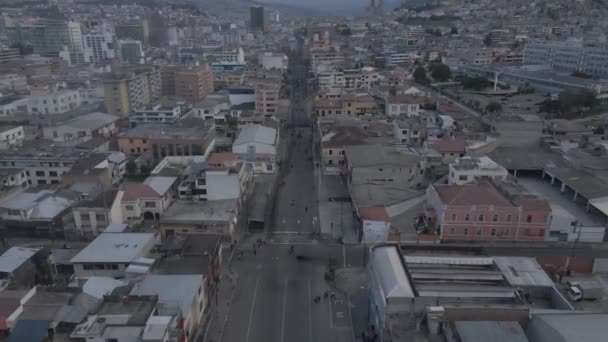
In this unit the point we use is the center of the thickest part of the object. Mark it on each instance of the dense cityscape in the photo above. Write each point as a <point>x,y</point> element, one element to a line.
<point>241,171</point>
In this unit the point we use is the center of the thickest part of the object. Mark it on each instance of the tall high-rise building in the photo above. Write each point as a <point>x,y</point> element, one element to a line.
<point>99,44</point>
<point>376,7</point>
<point>130,51</point>
<point>137,30</point>
<point>127,88</point>
<point>49,37</point>
<point>193,83</point>
<point>256,18</point>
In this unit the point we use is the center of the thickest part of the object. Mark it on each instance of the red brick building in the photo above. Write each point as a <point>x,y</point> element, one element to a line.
<point>486,211</point>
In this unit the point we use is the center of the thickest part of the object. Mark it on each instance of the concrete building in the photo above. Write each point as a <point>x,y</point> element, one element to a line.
<point>267,98</point>
<point>182,141</point>
<point>486,211</point>
<point>99,44</point>
<point>92,216</point>
<point>110,254</point>
<point>256,145</point>
<point>57,102</point>
<point>273,61</point>
<point>194,83</point>
<point>14,177</point>
<point>83,128</point>
<point>470,170</point>
<point>363,78</point>
<point>183,291</point>
<point>136,30</point>
<point>403,105</point>
<point>411,131</point>
<point>201,217</point>
<point>128,88</point>
<point>256,18</point>
<point>450,149</point>
<point>130,51</point>
<point>568,56</point>
<point>359,104</point>
<point>147,201</point>
<point>8,55</point>
<point>42,167</point>
<point>331,80</point>
<point>156,113</point>
<point>11,136</point>
<point>50,37</point>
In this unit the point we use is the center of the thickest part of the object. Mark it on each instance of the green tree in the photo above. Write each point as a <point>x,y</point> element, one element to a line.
<point>420,74</point>
<point>493,107</point>
<point>475,83</point>
<point>440,72</point>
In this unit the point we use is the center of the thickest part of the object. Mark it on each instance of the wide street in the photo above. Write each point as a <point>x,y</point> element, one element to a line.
<point>273,300</point>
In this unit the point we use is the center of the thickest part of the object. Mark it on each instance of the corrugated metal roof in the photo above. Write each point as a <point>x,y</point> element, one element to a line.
<point>523,271</point>
<point>484,331</point>
<point>477,261</point>
<point>391,273</point>
<point>15,257</point>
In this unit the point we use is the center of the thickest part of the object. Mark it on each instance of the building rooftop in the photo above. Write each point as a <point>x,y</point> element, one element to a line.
<point>15,257</point>
<point>134,192</point>
<point>204,212</point>
<point>160,184</point>
<point>450,145</point>
<point>256,133</point>
<point>142,131</point>
<point>479,163</point>
<point>380,155</point>
<point>571,326</point>
<point>114,248</point>
<point>174,289</point>
<point>91,121</point>
<point>483,193</point>
<point>485,331</point>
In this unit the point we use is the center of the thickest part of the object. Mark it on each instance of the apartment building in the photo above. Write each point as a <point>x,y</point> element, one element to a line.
<point>99,44</point>
<point>362,78</point>
<point>41,167</point>
<point>131,87</point>
<point>486,211</point>
<point>410,131</point>
<point>333,79</point>
<point>57,102</point>
<point>193,83</point>
<point>49,37</point>
<point>468,170</point>
<point>136,140</point>
<point>136,30</point>
<point>130,51</point>
<point>11,136</point>
<point>156,113</point>
<point>406,105</point>
<point>267,98</point>
<point>181,141</point>
<point>568,56</point>
<point>359,104</point>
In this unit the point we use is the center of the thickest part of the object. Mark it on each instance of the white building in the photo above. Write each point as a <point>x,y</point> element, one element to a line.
<point>14,177</point>
<point>403,105</point>
<point>211,108</point>
<point>12,105</point>
<point>468,169</point>
<point>99,44</point>
<point>111,253</point>
<point>273,61</point>
<point>11,136</point>
<point>58,102</point>
<point>156,113</point>
<point>147,201</point>
<point>333,79</point>
<point>41,168</point>
<point>256,145</point>
<point>362,78</point>
<point>83,128</point>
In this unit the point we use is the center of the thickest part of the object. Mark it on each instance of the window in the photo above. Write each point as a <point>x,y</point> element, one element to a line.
<point>84,217</point>
<point>506,232</point>
<point>478,232</point>
<point>41,182</point>
<point>53,173</point>
<point>452,231</point>
<point>40,173</point>
<point>453,217</point>
<point>481,218</point>
<point>100,217</point>
<point>129,207</point>
<point>495,218</point>
<point>466,231</point>
<point>467,217</point>
<point>463,178</point>
<point>527,232</point>
<point>509,218</point>
<point>331,152</point>
<point>529,218</point>
<point>150,204</point>
<point>541,232</point>
<point>493,232</point>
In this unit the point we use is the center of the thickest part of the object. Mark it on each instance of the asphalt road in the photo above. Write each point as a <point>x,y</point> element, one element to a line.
<point>273,300</point>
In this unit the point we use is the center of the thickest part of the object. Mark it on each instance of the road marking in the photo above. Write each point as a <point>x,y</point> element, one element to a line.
<point>350,314</point>
<point>344,255</point>
<point>309,313</point>
<point>255,294</point>
<point>331,314</point>
<point>283,314</point>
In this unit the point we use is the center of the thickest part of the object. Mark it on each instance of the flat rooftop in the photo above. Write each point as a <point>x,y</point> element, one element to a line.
<point>114,248</point>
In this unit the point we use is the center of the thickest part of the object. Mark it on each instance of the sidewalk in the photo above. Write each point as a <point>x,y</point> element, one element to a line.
<point>220,307</point>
